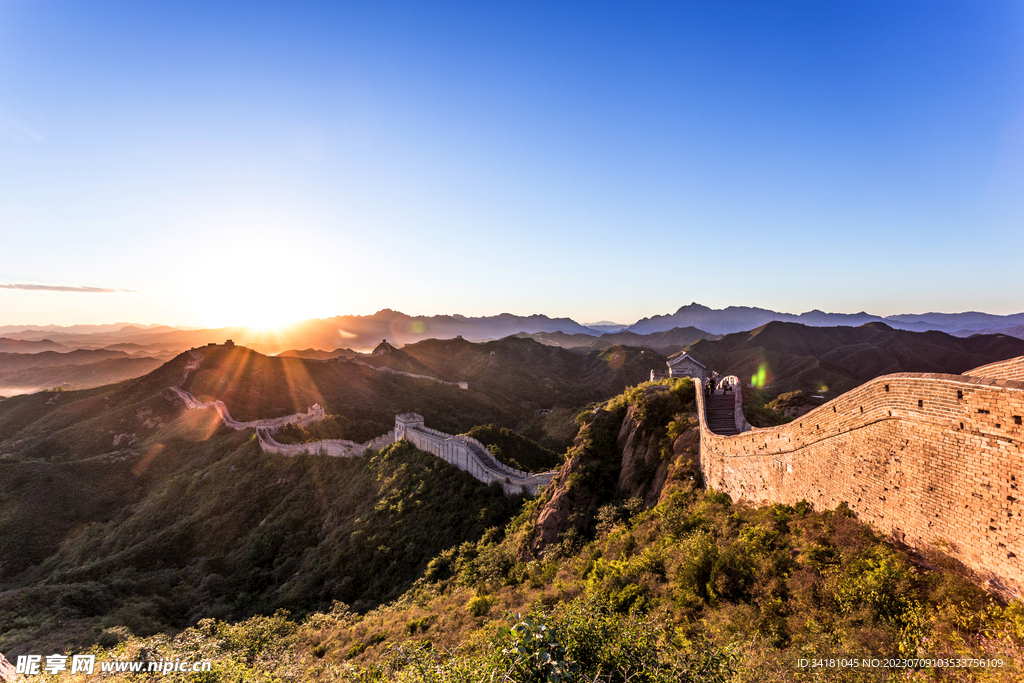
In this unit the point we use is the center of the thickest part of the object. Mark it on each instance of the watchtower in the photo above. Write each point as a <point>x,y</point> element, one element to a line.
<point>407,421</point>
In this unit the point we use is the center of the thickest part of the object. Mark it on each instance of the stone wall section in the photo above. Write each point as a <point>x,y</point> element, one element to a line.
<point>459,451</point>
<point>339,448</point>
<point>1006,369</point>
<point>498,465</point>
<point>933,460</point>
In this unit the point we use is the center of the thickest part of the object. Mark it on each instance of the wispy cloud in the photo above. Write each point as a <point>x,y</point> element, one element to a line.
<point>15,131</point>
<point>31,287</point>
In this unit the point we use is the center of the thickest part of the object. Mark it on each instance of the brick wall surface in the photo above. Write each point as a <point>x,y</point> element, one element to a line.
<point>1006,369</point>
<point>930,459</point>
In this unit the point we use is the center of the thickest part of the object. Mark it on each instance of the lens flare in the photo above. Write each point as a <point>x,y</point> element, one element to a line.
<point>615,358</point>
<point>758,379</point>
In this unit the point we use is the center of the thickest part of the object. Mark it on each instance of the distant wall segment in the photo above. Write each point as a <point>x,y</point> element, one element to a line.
<point>461,450</point>
<point>931,459</point>
<point>338,448</point>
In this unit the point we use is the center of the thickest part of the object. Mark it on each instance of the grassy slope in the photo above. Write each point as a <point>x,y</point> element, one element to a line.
<point>533,374</point>
<point>516,450</point>
<point>80,424</point>
<point>255,386</point>
<point>81,376</point>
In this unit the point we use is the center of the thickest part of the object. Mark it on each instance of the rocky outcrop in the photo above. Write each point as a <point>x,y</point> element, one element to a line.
<point>572,499</point>
<point>643,469</point>
<point>615,456</point>
<point>6,670</point>
<point>652,456</point>
<point>644,462</point>
<point>684,467</point>
<point>564,509</point>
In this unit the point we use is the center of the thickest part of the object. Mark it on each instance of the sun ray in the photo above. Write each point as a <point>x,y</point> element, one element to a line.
<point>227,377</point>
<point>301,387</point>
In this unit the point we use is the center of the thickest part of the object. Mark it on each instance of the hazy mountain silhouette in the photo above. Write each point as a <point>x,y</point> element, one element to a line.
<point>362,333</point>
<point>740,318</point>
<point>802,357</point>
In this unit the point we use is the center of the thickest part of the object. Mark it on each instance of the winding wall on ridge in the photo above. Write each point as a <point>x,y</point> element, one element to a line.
<point>933,460</point>
<point>468,455</point>
<point>460,450</point>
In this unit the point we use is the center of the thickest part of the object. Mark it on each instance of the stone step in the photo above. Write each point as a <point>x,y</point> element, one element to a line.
<point>721,414</point>
<point>485,456</point>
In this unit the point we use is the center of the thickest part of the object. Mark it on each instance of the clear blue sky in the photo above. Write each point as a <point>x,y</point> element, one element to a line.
<point>598,161</point>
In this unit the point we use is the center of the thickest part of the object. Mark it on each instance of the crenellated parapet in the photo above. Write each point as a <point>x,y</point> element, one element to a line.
<point>932,459</point>
<point>338,448</point>
<point>469,455</point>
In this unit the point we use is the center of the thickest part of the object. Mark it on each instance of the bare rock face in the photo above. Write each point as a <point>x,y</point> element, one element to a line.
<point>652,458</point>
<point>556,516</point>
<point>684,468</point>
<point>6,670</point>
<point>639,455</point>
<point>643,471</point>
<point>568,504</point>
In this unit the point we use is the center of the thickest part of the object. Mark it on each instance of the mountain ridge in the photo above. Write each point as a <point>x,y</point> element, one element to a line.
<point>364,332</point>
<point>740,318</point>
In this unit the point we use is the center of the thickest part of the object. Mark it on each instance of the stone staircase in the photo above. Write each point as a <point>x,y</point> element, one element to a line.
<point>721,415</point>
<point>486,458</point>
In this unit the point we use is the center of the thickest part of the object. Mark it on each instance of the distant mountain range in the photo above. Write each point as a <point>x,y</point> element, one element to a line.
<point>667,333</point>
<point>667,342</point>
<point>742,318</point>
<point>79,369</point>
<point>29,346</point>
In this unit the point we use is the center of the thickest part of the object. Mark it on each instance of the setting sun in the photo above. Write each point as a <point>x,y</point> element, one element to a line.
<point>261,285</point>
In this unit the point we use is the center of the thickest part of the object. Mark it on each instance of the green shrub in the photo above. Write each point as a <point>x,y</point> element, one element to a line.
<point>479,605</point>
<point>531,652</point>
<point>884,583</point>
<point>695,572</point>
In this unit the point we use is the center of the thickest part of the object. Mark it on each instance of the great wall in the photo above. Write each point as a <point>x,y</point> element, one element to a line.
<point>933,460</point>
<point>460,450</point>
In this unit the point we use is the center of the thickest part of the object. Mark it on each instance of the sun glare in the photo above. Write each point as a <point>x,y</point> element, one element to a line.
<point>261,285</point>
